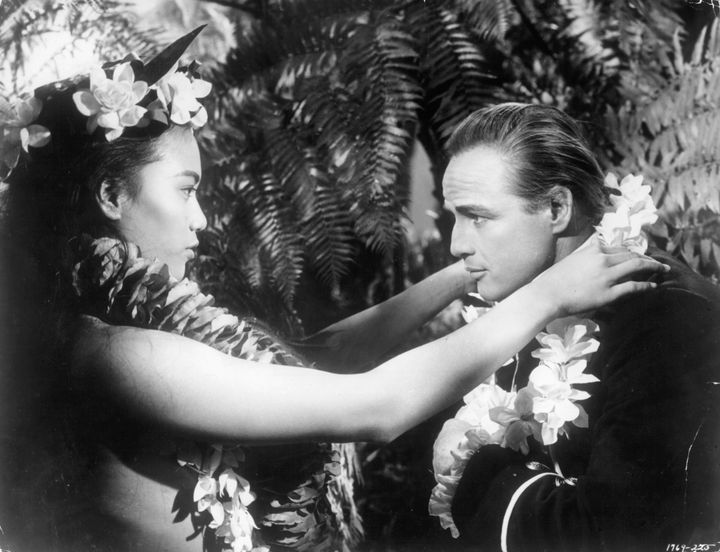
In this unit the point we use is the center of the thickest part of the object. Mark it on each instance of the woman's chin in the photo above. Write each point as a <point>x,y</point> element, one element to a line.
<point>177,270</point>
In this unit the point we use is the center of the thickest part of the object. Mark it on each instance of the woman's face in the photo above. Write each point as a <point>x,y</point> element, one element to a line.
<point>164,216</point>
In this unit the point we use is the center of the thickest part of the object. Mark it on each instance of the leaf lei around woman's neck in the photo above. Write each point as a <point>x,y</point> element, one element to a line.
<point>549,402</point>
<point>114,283</point>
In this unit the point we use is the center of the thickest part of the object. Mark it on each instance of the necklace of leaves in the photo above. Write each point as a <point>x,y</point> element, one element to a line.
<point>117,285</point>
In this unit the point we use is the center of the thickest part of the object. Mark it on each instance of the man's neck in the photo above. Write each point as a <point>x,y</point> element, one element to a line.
<point>568,244</point>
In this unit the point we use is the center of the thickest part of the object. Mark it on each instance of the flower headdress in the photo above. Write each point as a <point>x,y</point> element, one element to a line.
<point>120,95</point>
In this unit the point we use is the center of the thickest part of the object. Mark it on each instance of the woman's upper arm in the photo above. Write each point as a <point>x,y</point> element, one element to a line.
<point>185,386</point>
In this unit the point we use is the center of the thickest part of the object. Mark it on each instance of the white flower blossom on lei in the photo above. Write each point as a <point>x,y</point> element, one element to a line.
<point>112,102</point>
<point>17,131</point>
<point>459,438</point>
<point>519,421</point>
<point>633,209</point>
<point>225,497</point>
<point>549,402</point>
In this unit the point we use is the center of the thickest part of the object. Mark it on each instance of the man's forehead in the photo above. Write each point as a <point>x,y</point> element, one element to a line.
<point>477,165</point>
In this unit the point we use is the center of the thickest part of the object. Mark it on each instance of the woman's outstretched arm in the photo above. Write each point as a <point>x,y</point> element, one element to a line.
<point>361,339</point>
<point>187,387</point>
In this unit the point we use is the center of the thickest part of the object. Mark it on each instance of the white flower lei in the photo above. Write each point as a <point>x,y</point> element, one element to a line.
<point>548,403</point>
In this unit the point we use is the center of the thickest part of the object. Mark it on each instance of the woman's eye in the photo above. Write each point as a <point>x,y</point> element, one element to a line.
<point>189,192</point>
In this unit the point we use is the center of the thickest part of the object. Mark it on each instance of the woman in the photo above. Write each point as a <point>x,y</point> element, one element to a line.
<point>138,366</point>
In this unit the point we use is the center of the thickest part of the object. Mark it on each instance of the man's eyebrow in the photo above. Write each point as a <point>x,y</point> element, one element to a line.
<point>474,210</point>
<point>192,174</point>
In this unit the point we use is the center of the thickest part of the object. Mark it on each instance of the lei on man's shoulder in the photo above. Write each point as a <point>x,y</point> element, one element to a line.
<point>542,409</point>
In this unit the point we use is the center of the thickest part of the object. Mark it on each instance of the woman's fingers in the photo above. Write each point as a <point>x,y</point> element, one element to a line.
<point>633,265</point>
<point>628,288</point>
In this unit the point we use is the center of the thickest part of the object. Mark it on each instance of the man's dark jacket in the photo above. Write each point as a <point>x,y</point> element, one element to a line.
<point>648,467</point>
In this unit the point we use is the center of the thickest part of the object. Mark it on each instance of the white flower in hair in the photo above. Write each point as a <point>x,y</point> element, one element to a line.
<point>17,131</point>
<point>177,96</point>
<point>112,102</point>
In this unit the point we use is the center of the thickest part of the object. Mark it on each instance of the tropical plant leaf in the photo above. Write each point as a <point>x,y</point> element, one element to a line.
<point>673,137</point>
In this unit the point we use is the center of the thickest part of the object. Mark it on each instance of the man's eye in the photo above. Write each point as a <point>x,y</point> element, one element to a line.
<point>477,219</point>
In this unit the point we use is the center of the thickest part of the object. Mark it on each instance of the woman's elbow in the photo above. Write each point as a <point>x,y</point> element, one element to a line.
<point>385,423</point>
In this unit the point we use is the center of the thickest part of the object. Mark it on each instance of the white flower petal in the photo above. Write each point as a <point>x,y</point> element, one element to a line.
<point>109,120</point>
<point>542,405</point>
<point>113,134</point>
<point>549,434</point>
<point>139,89</point>
<point>200,118</point>
<point>97,77</point>
<point>218,514</point>
<point>206,486</point>
<point>86,103</point>
<point>38,136</point>
<point>123,72</point>
<point>178,115</point>
<point>582,418</point>
<point>566,410</point>
<point>201,88</point>
<point>578,395</point>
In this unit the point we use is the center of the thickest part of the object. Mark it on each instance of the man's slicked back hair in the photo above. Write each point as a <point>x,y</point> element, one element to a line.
<point>543,147</point>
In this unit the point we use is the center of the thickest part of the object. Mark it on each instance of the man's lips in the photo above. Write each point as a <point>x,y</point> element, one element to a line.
<point>476,272</point>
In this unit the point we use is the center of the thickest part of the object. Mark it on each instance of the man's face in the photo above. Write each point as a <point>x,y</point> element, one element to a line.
<point>503,244</point>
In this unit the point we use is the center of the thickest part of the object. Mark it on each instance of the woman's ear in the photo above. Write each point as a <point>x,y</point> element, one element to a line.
<point>561,209</point>
<point>109,200</point>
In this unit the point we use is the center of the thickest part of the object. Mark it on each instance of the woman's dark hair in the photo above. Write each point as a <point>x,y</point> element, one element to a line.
<point>50,202</point>
<point>544,147</point>
<point>51,197</point>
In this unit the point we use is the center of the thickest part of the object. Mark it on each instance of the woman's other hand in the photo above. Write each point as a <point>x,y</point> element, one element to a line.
<point>594,275</point>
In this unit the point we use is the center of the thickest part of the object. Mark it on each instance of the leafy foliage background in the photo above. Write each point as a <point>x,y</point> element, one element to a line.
<point>319,104</point>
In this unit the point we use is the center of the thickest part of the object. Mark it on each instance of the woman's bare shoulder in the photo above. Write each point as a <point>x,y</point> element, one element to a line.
<point>103,346</point>
<point>98,343</point>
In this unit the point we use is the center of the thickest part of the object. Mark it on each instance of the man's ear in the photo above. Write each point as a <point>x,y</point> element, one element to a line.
<point>109,200</point>
<point>561,209</point>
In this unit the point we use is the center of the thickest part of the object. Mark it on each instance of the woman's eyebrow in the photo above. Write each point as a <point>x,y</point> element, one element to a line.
<point>192,174</point>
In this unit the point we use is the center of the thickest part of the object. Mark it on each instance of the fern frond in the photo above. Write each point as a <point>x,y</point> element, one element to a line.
<point>43,39</point>
<point>488,20</point>
<point>279,53</point>
<point>455,72</point>
<point>590,32</point>
<point>267,209</point>
<point>674,139</point>
<point>381,66</point>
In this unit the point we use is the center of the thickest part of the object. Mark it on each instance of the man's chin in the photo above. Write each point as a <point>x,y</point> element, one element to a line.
<point>491,294</point>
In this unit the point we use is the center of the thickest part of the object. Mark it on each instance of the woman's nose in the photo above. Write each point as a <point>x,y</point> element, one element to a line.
<point>198,220</point>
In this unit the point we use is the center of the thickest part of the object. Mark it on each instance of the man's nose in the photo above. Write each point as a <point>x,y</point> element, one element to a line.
<point>460,245</point>
<point>198,220</point>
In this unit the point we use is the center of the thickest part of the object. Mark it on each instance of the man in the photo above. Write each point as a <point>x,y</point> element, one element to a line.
<point>645,475</point>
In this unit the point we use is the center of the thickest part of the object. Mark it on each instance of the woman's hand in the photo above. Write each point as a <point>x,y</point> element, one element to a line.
<point>594,275</point>
<point>464,280</point>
